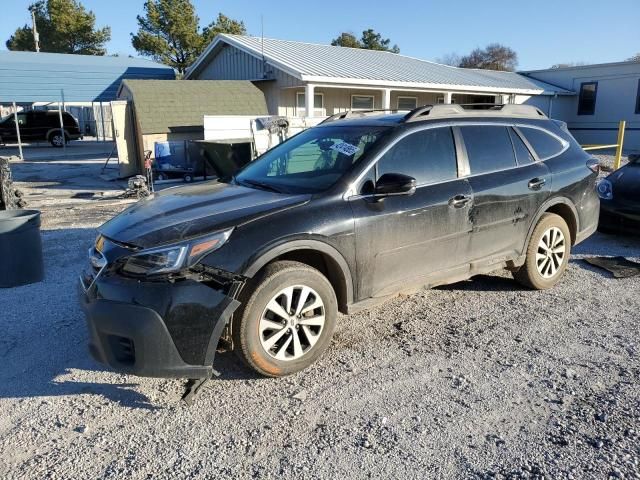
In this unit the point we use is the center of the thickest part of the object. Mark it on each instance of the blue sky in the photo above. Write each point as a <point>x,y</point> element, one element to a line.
<point>542,32</point>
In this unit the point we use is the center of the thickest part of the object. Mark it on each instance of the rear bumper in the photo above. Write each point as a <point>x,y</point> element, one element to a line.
<point>135,338</point>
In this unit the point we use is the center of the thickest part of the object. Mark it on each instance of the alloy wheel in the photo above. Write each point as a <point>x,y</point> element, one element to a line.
<point>57,140</point>
<point>551,252</point>
<point>292,322</point>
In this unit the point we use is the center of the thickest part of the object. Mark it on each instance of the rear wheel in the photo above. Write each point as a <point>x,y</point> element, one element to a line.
<point>57,139</point>
<point>287,319</point>
<point>547,253</point>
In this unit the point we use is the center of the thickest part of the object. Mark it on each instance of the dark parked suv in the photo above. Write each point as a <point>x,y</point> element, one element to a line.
<point>39,125</point>
<point>335,219</point>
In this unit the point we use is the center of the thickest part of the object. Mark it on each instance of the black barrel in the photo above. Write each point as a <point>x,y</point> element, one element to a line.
<point>20,248</point>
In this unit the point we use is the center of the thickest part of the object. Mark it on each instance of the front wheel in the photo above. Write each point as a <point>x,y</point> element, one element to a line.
<point>287,319</point>
<point>547,253</point>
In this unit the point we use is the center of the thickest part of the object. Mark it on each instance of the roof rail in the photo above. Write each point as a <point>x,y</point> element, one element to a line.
<point>473,110</point>
<point>523,110</point>
<point>432,110</point>
<point>356,113</point>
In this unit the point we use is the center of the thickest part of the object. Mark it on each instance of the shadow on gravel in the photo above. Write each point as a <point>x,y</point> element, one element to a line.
<point>485,283</point>
<point>43,346</point>
<point>232,368</point>
<point>41,384</point>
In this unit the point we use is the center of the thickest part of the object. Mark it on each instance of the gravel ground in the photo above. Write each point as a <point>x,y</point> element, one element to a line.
<point>480,379</point>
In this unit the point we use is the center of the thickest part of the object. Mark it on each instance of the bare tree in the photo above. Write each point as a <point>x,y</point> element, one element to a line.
<point>493,57</point>
<point>452,59</point>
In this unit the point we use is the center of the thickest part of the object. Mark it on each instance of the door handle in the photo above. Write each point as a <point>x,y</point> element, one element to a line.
<point>459,201</point>
<point>536,183</point>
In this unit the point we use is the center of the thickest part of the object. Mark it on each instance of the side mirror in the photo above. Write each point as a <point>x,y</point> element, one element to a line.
<point>395,184</point>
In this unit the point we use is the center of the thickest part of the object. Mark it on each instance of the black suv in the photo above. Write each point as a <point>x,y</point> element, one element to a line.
<point>337,218</point>
<point>38,125</point>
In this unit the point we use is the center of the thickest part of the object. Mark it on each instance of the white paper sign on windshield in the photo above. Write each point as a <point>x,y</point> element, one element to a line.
<point>345,148</point>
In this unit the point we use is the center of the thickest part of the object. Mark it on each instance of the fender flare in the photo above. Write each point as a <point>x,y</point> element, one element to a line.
<point>543,209</point>
<point>259,261</point>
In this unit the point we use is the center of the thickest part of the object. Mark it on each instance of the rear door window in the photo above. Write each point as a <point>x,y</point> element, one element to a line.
<point>545,144</point>
<point>69,120</point>
<point>488,147</point>
<point>428,155</point>
<point>523,155</point>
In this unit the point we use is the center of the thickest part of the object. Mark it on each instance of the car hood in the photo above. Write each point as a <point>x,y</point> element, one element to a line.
<point>626,184</point>
<point>182,213</point>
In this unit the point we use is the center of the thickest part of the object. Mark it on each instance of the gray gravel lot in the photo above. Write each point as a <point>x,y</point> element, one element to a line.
<point>480,379</point>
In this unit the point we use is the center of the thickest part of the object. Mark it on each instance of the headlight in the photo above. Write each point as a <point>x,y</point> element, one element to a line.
<point>174,258</point>
<point>605,189</point>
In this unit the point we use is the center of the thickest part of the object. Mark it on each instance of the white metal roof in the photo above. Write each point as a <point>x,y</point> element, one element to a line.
<point>329,64</point>
<point>585,67</point>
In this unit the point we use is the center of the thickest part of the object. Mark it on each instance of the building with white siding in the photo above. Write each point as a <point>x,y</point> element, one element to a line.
<point>310,80</point>
<point>605,94</point>
<point>307,80</point>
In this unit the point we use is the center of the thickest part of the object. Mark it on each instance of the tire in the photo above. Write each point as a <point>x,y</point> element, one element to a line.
<point>56,140</point>
<point>188,178</point>
<point>162,176</point>
<point>543,268</point>
<point>267,342</point>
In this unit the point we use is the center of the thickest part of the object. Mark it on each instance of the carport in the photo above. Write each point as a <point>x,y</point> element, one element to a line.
<point>83,85</point>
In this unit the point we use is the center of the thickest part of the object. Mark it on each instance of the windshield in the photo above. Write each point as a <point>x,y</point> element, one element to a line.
<point>312,161</point>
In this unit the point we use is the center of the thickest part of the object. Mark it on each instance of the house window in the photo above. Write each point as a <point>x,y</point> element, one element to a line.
<point>361,102</point>
<point>587,99</point>
<point>318,104</point>
<point>638,99</point>
<point>407,103</point>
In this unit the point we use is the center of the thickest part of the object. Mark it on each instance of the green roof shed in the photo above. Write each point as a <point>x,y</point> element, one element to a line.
<point>175,106</point>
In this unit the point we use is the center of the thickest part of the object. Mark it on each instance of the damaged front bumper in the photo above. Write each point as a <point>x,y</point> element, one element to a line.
<point>619,218</point>
<point>155,328</point>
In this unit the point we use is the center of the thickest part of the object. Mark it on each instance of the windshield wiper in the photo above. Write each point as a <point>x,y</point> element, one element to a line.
<point>259,184</point>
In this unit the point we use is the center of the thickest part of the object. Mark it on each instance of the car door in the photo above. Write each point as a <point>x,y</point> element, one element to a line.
<point>405,238</point>
<point>507,192</point>
<point>38,125</point>
<point>25,122</point>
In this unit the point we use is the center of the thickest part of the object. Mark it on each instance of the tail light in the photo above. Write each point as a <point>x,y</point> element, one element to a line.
<point>594,165</point>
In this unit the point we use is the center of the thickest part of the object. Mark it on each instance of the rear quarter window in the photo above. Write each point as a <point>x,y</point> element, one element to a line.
<point>523,155</point>
<point>544,144</point>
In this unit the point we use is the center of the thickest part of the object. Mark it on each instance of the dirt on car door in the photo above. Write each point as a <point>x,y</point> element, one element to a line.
<point>406,238</point>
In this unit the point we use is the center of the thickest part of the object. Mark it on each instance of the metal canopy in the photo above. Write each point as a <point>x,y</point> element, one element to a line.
<point>29,77</point>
